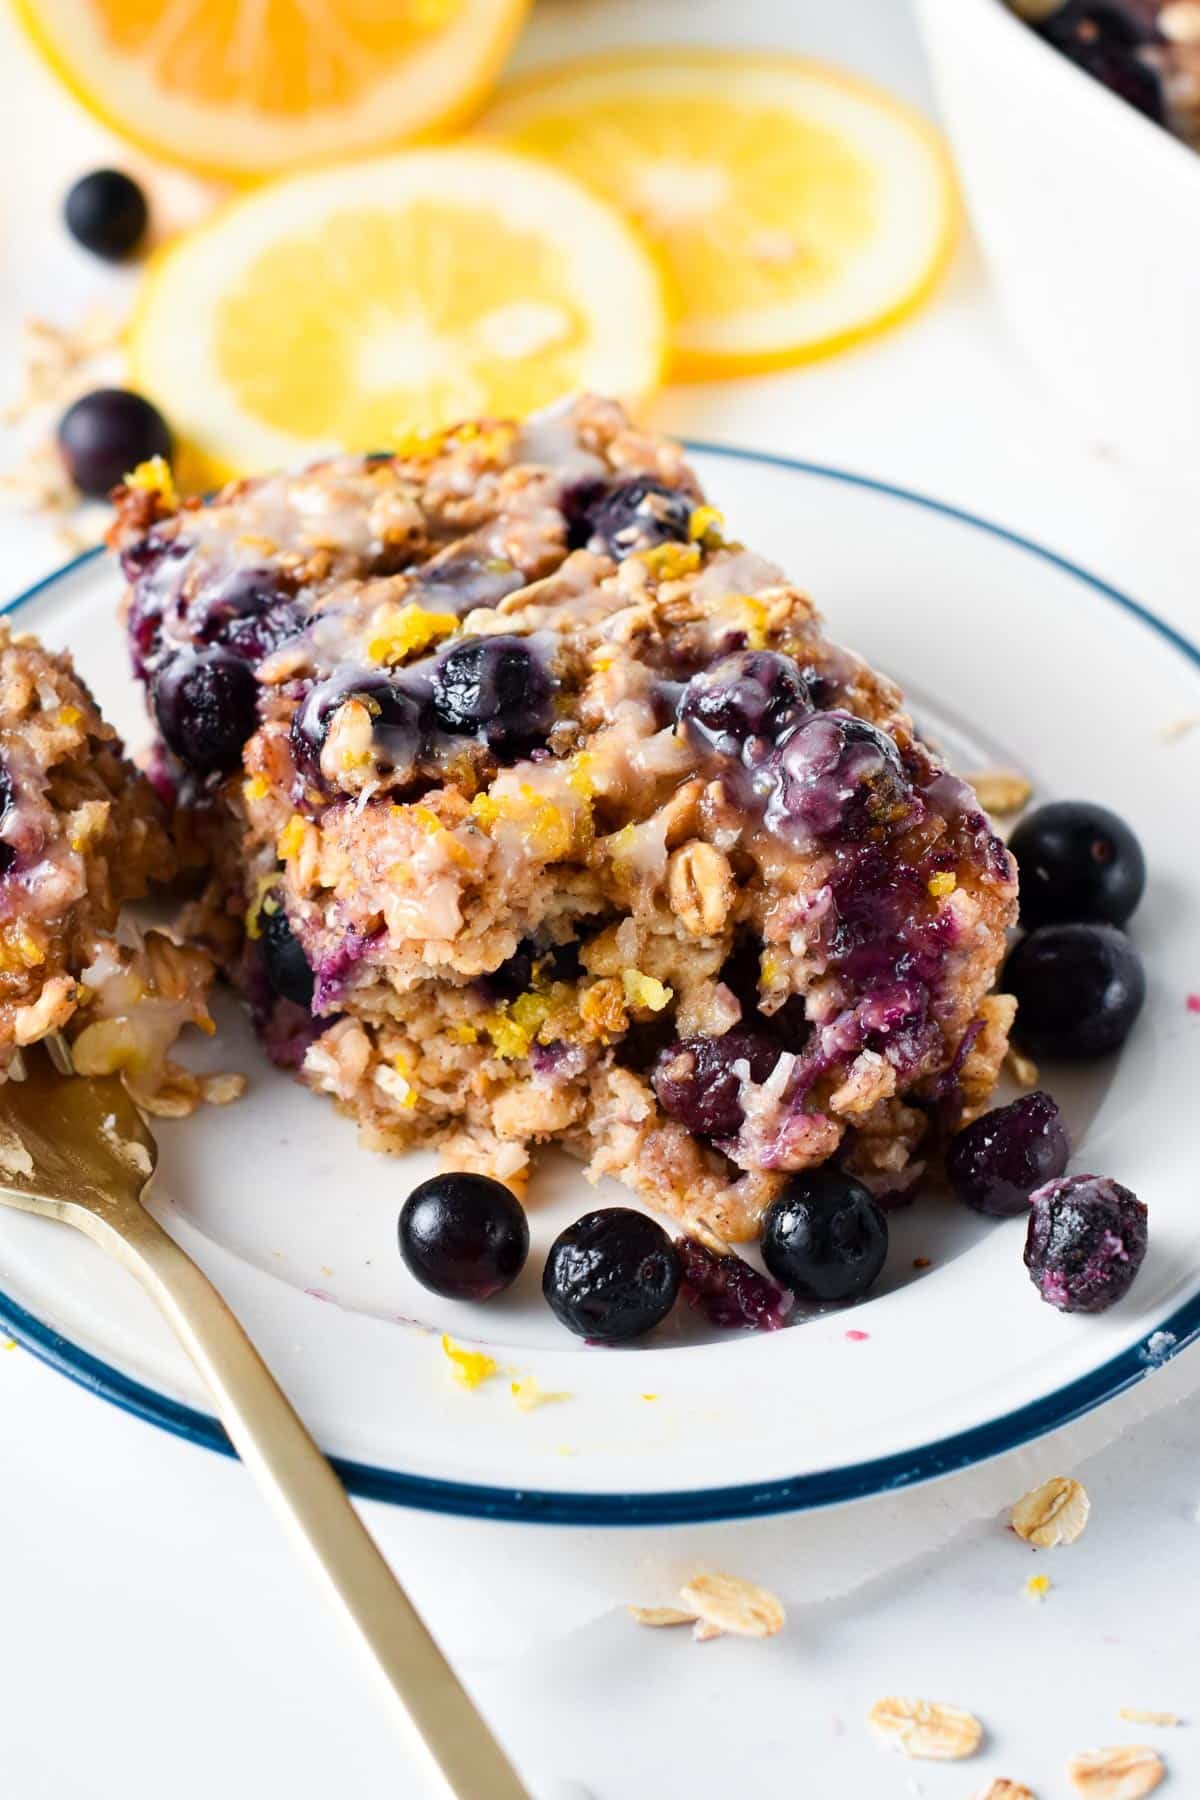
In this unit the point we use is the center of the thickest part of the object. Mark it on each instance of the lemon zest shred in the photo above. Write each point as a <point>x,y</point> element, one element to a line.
<point>154,477</point>
<point>645,990</point>
<point>527,1393</point>
<point>471,1367</point>
<point>942,884</point>
<point>255,787</point>
<point>291,837</point>
<point>400,631</point>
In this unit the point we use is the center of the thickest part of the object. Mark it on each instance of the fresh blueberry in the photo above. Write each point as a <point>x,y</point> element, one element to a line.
<point>698,1080</point>
<point>1085,1242</point>
<point>497,688</point>
<point>107,433</point>
<point>399,709</point>
<point>206,704</point>
<point>1103,37</point>
<point>838,775</point>
<point>824,1237</point>
<point>745,703</point>
<point>287,967</point>
<point>465,1236</point>
<point>995,1164</point>
<point>106,212</point>
<point>1078,989</point>
<point>1078,863</point>
<point>612,1275</point>
<point>249,614</point>
<point>621,517</point>
<point>728,1290</point>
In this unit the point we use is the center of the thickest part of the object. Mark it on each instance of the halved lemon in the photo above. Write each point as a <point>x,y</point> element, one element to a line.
<point>794,207</point>
<point>246,87</point>
<point>352,306</point>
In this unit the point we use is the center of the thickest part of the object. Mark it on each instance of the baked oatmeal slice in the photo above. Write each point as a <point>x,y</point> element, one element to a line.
<point>81,833</point>
<point>551,814</point>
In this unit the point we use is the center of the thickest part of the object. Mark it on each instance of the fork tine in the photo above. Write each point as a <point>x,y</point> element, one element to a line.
<point>59,1052</point>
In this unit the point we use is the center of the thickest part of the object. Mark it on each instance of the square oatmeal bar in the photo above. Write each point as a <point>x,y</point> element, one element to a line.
<point>538,810</point>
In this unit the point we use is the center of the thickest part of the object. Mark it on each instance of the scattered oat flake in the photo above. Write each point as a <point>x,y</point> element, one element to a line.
<point>926,1728</point>
<point>1142,1715</point>
<point>1006,1790</point>
<point>733,1605</point>
<point>1120,1772</point>
<point>1175,729</point>
<point>662,1615</point>
<point>704,1631</point>
<point>1055,1513</point>
<point>527,1394</point>
<point>1037,1587</point>
<point>1000,790</point>
<point>858,1337</point>
<point>471,1367</point>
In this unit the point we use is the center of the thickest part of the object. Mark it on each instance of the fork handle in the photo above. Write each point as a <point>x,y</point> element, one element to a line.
<point>461,1754</point>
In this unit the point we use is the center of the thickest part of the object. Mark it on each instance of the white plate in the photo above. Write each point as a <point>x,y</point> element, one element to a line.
<point>1034,664</point>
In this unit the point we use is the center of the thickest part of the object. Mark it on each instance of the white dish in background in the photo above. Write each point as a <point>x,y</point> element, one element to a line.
<point>1011,656</point>
<point>1089,214</point>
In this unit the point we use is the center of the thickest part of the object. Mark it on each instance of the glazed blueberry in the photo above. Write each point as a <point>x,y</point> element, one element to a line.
<point>728,1290</point>
<point>612,1275</point>
<point>1078,863</point>
<point>1085,1242</point>
<point>399,709</point>
<point>838,775</point>
<point>497,688</point>
<point>8,855</point>
<point>745,703</point>
<point>698,1079</point>
<point>1078,989</point>
<point>206,704</point>
<point>624,516</point>
<point>464,1236</point>
<point>107,433</point>
<point>1103,38</point>
<point>824,1237</point>
<point>249,615</point>
<point>995,1164</point>
<point>287,967</point>
<point>106,212</point>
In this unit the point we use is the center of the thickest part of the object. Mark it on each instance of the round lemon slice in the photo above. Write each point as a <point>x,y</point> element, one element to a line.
<point>350,307</point>
<point>794,208</point>
<point>252,87</point>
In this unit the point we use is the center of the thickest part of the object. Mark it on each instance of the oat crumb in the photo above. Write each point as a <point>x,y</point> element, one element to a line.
<point>1055,1513</point>
<point>1005,1790</point>
<point>661,1615</point>
<point>1142,1715</point>
<point>1175,729</point>
<point>731,1604</point>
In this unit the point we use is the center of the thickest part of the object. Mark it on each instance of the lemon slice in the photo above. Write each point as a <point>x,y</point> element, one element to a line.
<point>245,87</point>
<point>794,208</point>
<point>352,306</point>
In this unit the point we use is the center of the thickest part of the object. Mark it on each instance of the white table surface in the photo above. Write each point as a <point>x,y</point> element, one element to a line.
<point>157,1638</point>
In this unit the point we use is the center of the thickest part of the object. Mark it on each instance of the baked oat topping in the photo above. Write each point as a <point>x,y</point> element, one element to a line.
<point>1054,1513</point>
<point>926,1728</point>
<point>513,770</point>
<point>1121,1772</point>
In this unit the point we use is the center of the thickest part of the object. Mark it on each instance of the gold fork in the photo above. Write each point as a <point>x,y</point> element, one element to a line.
<point>79,1151</point>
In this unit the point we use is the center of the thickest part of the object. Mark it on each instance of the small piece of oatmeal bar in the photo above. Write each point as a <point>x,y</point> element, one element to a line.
<point>81,833</point>
<point>539,810</point>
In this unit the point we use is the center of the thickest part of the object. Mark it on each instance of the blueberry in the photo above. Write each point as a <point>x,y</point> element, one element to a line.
<point>464,1236</point>
<point>399,709</point>
<point>107,433</point>
<point>287,967</point>
<point>106,212</point>
<point>1078,989</point>
<point>1085,1242</point>
<point>497,688</point>
<point>728,1290</point>
<point>824,1237</point>
<point>206,705</point>
<point>249,614</point>
<point>995,1164</point>
<point>612,1275</point>
<point>8,795</point>
<point>624,516</point>
<point>1103,38</point>
<point>697,1082</point>
<point>745,703</point>
<point>841,776</point>
<point>1077,862</point>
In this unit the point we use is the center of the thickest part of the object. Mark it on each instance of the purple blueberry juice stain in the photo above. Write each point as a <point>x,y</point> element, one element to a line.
<point>333,971</point>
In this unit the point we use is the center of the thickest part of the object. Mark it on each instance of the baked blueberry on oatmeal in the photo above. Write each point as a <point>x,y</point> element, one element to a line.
<point>81,833</point>
<point>538,809</point>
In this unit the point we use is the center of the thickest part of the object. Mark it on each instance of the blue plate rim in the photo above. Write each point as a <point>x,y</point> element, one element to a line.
<point>706,1505</point>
